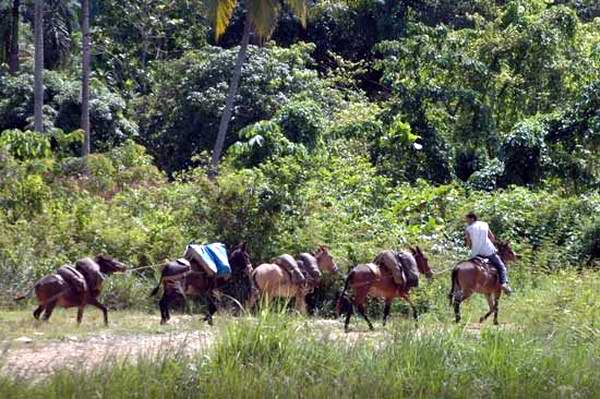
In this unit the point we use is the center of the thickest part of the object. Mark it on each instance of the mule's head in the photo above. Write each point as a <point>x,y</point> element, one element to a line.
<point>108,265</point>
<point>505,251</point>
<point>239,258</point>
<point>422,262</point>
<point>325,260</point>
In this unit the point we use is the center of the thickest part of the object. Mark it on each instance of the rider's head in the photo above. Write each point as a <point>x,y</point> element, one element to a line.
<point>471,217</point>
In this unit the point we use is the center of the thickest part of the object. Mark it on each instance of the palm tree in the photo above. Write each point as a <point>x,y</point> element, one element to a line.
<point>86,47</point>
<point>262,17</point>
<point>13,56</point>
<point>38,92</point>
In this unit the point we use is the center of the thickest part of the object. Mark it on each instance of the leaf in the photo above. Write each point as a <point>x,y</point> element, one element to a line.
<point>300,9</point>
<point>220,12</point>
<point>264,15</point>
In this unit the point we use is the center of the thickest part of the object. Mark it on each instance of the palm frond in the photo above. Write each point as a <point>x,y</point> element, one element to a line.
<point>220,12</point>
<point>300,9</point>
<point>263,15</point>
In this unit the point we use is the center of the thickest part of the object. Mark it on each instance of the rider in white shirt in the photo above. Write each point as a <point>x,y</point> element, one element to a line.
<point>480,239</point>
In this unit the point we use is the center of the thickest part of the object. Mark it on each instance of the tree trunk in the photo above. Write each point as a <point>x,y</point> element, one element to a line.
<point>86,46</point>
<point>38,92</point>
<point>13,56</point>
<point>233,87</point>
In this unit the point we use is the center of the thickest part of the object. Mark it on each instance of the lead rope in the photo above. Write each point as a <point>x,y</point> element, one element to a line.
<point>443,271</point>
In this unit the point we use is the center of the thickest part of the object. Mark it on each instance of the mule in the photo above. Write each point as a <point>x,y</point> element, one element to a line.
<point>469,277</point>
<point>53,290</point>
<point>371,280</point>
<point>195,282</point>
<point>271,280</point>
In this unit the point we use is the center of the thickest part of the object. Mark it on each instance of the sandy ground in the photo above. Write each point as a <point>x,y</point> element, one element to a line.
<point>28,357</point>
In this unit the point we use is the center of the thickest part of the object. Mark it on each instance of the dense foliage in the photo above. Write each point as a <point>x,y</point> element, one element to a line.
<point>378,125</point>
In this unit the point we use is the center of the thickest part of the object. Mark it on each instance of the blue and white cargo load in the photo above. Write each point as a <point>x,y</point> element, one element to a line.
<point>212,258</point>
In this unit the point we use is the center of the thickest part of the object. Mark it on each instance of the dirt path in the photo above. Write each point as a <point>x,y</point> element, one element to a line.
<point>41,358</point>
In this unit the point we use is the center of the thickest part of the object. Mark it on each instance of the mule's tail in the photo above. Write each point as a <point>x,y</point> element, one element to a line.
<point>24,296</point>
<point>344,303</point>
<point>155,290</point>
<point>454,286</point>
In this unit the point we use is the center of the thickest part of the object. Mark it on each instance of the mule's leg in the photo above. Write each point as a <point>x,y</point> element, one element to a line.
<point>212,308</point>
<point>251,302</point>
<point>80,314</point>
<point>363,313</point>
<point>163,305</point>
<point>412,306</point>
<point>490,301</point>
<point>457,310</point>
<point>94,302</point>
<point>301,302</point>
<point>49,309</point>
<point>460,297</point>
<point>38,311</point>
<point>386,311</point>
<point>348,316</point>
<point>496,310</point>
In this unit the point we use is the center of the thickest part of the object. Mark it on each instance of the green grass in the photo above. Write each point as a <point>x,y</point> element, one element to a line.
<point>547,346</point>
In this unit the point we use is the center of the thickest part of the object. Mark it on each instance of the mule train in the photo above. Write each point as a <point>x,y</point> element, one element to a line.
<point>205,270</point>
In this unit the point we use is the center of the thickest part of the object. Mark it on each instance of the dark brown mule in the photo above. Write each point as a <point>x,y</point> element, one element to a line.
<point>54,290</point>
<point>196,283</point>
<point>371,280</point>
<point>471,277</point>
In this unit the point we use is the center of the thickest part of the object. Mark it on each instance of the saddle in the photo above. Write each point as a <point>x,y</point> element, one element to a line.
<point>290,265</point>
<point>73,277</point>
<point>485,264</point>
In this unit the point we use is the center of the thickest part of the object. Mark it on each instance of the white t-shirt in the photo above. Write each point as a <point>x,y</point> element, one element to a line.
<point>480,241</point>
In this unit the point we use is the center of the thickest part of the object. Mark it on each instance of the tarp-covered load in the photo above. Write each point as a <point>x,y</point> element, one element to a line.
<point>211,257</point>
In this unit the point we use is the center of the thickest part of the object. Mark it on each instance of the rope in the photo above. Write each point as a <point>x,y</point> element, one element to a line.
<point>144,267</point>
<point>443,271</point>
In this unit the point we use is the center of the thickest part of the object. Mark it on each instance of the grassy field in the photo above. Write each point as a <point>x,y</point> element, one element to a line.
<point>548,345</point>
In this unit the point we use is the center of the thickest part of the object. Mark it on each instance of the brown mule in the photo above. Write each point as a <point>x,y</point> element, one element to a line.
<point>370,280</point>
<point>271,280</point>
<point>180,282</point>
<point>470,277</point>
<point>56,289</point>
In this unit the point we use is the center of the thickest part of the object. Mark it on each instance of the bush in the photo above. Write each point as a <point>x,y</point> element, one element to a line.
<point>591,239</point>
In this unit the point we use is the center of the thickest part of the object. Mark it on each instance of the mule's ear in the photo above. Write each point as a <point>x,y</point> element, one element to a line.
<point>244,245</point>
<point>413,250</point>
<point>419,250</point>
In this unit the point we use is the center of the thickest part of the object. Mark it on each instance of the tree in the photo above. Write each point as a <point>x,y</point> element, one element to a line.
<point>262,17</point>
<point>13,54</point>
<point>38,92</point>
<point>85,75</point>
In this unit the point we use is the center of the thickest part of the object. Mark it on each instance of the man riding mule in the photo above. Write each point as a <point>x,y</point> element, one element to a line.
<point>76,286</point>
<point>472,276</point>
<point>196,275</point>
<point>480,239</point>
<point>391,275</point>
<point>291,278</point>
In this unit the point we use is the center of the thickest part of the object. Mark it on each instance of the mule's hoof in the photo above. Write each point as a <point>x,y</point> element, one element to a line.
<point>481,320</point>
<point>163,322</point>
